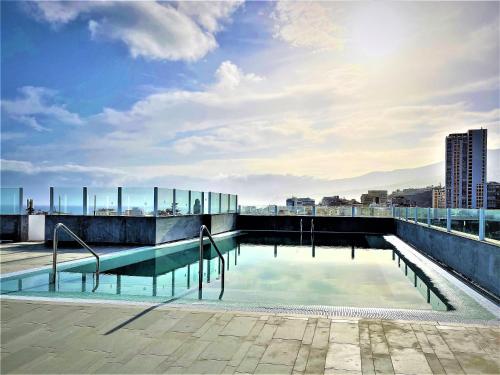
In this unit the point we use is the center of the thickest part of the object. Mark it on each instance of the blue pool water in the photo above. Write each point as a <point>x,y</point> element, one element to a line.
<point>262,269</point>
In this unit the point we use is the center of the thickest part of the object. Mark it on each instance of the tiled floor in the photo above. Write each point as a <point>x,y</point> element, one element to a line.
<point>39,337</point>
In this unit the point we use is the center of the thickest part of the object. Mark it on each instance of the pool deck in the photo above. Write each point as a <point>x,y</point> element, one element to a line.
<point>47,337</point>
<point>85,337</point>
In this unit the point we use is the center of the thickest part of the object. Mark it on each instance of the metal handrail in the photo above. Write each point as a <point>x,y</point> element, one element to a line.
<point>300,225</point>
<point>204,228</point>
<point>312,225</point>
<point>77,239</point>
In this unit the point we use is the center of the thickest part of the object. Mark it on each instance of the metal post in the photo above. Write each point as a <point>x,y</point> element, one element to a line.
<point>119,200</point>
<point>155,201</point>
<point>209,202</point>
<point>428,216</point>
<point>202,202</point>
<point>314,210</point>
<point>416,214</point>
<point>189,203</point>
<point>392,210</point>
<point>482,224</point>
<point>448,219</point>
<point>353,211</point>
<point>174,202</point>
<point>275,250</point>
<point>406,214</point>
<point>220,203</point>
<point>20,210</point>
<point>51,197</point>
<point>237,208</point>
<point>200,267</point>
<point>275,210</point>
<point>85,202</point>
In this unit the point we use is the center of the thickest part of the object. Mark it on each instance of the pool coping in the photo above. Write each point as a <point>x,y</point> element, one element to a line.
<point>308,310</point>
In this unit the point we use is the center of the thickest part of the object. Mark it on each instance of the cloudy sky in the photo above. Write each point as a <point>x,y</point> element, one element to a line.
<point>135,93</point>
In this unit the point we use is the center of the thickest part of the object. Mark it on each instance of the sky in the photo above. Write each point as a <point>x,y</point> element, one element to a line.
<point>199,95</point>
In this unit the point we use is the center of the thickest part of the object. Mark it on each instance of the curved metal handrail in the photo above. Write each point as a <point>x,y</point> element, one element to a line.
<point>312,225</point>
<point>204,228</point>
<point>77,239</point>
<point>301,225</point>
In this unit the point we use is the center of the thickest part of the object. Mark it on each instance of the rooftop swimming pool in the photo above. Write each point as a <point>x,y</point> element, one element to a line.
<point>263,270</point>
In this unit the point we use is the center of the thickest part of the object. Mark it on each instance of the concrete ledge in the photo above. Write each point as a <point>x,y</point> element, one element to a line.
<point>137,230</point>
<point>14,228</point>
<point>378,225</point>
<point>478,261</point>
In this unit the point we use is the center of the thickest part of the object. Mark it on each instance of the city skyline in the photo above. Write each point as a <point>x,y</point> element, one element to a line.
<point>241,91</point>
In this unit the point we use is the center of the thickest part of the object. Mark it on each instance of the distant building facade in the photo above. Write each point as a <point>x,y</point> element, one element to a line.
<point>412,197</point>
<point>300,202</point>
<point>336,201</point>
<point>439,197</point>
<point>374,197</point>
<point>493,195</point>
<point>466,169</point>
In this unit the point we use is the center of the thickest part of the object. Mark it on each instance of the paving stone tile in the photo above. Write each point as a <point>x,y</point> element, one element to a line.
<point>409,361</point>
<point>266,334</point>
<point>265,368</point>
<point>451,366</point>
<point>439,346</point>
<point>291,329</point>
<point>223,349</point>
<point>399,337</point>
<point>167,344</point>
<point>239,326</point>
<point>205,327</point>
<point>143,364</point>
<point>347,333</point>
<point>316,361</point>
<point>229,370</point>
<point>256,330</point>
<point>423,342</point>
<point>281,352</point>
<point>309,332</point>
<point>188,352</point>
<point>434,364</point>
<point>343,357</point>
<point>321,337</point>
<point>17,359</point>
<point>367,367</point>
<point>462,341</point>
<point>476,363</point>
<point>191,322</point>
<point>240,354</point>
<point>206,367</point>
<point>334,371</point>
<point>382,364</point>
<point>301,360</point>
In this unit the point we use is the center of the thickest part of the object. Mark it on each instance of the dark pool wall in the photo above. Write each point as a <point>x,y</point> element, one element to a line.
<point>479,261</point>
<point>14,228</point>
<point>373,225</point>
<point>137,230</point>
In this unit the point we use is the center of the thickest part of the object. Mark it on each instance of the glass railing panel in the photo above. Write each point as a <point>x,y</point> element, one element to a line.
<point>257,210</point>
<point>205,202</point>
<point>182,202</point>
<point>137,201</point>
<point>214,203</point>
<point>196,202</point>
<point>492,224</point>
<point>102,201</point>
<point>438,217</point>
<point>165,202</point>
<point>422,215</point>
<point>285,211</point>
<point>233,203</point>
<point>68,201</point>
<point>465,220</point>
<point>224,204</point>
<point>10,201</point>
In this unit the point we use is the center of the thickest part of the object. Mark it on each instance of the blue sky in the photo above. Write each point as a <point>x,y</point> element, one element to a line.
<point>194,93</point>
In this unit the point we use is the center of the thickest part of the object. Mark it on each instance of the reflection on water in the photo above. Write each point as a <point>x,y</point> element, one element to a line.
<point>360,270</point>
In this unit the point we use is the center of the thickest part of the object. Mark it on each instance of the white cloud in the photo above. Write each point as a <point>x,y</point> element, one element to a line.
<point>153,30</point>
<point>27,167</point>
<point>36,105</point>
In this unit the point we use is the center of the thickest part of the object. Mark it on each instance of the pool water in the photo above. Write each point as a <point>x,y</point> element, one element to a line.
<point>264,268</point>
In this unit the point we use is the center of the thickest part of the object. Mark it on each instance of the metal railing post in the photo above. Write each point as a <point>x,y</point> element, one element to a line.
<point>51,197</point>
<point>202,202</point>
<point>155,201</point>
<point>203,229</point>
<point>174,202</point>
<point>189,202</point>
<point>416,214</point>
<point>275,210</point>
<point>428,216</point>
<point>314,210</point>
<point>406,213</point>
<point>119,202</point>
<point>482,224</point>
<point>448,219</point>
<point>21,201</point>
<point>237,208</point>
<point>353,211</point>
<point>85,200</point>
<point>220,203</point>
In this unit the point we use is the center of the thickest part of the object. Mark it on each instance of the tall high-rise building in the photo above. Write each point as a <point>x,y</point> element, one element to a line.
<point>439,197</point>
<point>466,169</point>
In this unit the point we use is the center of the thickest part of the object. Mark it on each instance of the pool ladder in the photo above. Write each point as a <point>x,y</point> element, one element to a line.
<point>204,229</point>
<point>77,239</point>
<point>312,226</point>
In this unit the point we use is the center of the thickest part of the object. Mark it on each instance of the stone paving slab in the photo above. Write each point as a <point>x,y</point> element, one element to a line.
<point>51,337</point>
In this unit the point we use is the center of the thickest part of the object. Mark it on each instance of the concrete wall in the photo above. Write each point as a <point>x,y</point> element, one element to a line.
<point>14,228</point>
<point>137,230</point>
<point>479,261</point>
<point>321,223</point>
